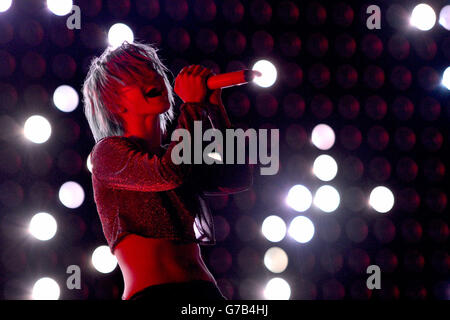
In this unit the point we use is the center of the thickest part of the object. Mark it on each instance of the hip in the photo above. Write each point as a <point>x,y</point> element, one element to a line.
<point>199,290</point>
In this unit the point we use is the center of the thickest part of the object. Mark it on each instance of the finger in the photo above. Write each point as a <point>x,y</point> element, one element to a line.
<point>197,70</point>
<point>191,69</point>
<point>205,73</point>
<point>184,70</point>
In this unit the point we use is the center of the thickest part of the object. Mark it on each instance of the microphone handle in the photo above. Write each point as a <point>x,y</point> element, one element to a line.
<point>230,79</point>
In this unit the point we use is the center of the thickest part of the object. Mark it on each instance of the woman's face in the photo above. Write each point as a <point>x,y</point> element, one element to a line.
<point>146,96</point>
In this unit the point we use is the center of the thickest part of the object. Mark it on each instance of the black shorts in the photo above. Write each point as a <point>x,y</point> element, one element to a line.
<point>191,290</point>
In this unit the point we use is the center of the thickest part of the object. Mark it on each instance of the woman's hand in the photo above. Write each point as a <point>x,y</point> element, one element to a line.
<point>190,85</point>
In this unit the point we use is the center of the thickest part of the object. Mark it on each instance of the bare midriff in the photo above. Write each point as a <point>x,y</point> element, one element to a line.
<point>150,261</point>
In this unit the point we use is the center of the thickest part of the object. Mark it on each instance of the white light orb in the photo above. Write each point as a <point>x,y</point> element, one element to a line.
<point>323,136</point>
<point>45,289</point>
<point>327,198</point>
<point>60,7</point>
<point>89,163</point>
<point>325,167</point>
<point>5,5</point>
<point>71,194</point>
<point>446,78</point>
<point>42,226</point>
<point>423,17</point>
<point>301,229</point>
<point>381,199</point>
<point>268,73</point>
<point>103,260</point>
<point>65,98</point>
<point>276,260</point>
<point>215,156</point>
<point>118,33</point>
<point>37,129</point>
<point>277,289</point>
<point>274,228</point>
<point>444,17</point>
<point>299,198</point>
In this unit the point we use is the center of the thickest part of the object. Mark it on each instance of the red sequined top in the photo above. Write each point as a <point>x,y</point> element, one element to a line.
<point>137,192</point>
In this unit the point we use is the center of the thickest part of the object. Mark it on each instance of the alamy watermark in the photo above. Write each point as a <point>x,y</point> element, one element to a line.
<point>213,153</point>
<point>374,280</point>
<point>74,20</point>
<point>74,280</point>
<point>374,20</point>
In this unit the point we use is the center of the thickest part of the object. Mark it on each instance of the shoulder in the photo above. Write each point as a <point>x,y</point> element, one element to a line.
<point>107,143</point>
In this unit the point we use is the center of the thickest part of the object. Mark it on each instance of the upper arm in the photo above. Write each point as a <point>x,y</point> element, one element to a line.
<point>118,163</point>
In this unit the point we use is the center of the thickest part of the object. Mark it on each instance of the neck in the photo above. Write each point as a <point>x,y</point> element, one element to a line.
<point>145,127</point>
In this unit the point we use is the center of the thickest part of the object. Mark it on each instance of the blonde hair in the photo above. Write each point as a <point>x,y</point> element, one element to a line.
<point>112,70</point>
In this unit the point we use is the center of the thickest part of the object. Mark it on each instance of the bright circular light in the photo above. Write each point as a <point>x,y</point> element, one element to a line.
<point>37,129</point>
<point>60,7</point>
<point>301,229</point>
<point>444,17</point>
<point>71,194</point>
<point>5,5</point>
<point>299,198</point>
<point>277,289</point>
<point>323,136</point>
<point>269,73</point>
<point>42,226</point>
<point>119,33</point>
<point>446,78</point>
<point>89,163</point>
<point>65,98</point>
<point>325,167</point>
<point>103,260</point>
<point>45,289</point>
<point>423,17</point>
<point>274,228</point>
<point>327,198</point>
<point>381,199</point>
<point>276,259</point>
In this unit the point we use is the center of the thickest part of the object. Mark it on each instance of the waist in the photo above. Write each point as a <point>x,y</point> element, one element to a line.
<point>151,261</point>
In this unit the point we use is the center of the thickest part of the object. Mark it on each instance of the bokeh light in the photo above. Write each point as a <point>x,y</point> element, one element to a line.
<point>37,129</point>
<point>423,17</point>
<point>43,226</point>
<point>103,260</point>
<point>5,5</point>
<point>446,78</point>
<point>277,289</point>
<point>381,199</point>
<point>274,228</point>
<point>60,7</point>
<point>71,194</point>
<point>65,98</point>
<point>323,136</point>
<point>45,289</point>
<point>89,163</point>
<point>327,198</point>
<point>325,167</point>
<point>299,198</point>
<point>268,71</point>
<point>301,229</point>
<point>276,259</point>
<point>118,33</point>
<point>444,17</point>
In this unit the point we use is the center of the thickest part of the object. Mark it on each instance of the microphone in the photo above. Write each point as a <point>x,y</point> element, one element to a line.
<point>231,79</point>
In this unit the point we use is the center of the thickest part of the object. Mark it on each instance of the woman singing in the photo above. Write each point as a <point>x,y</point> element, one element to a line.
<point>152,211</point>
